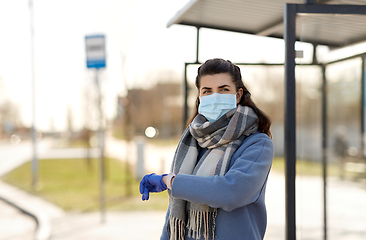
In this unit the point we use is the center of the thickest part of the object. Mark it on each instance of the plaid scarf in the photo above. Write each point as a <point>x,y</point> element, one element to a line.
<point>221,138</point>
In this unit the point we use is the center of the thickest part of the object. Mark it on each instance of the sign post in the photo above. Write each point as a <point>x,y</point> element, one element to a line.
<point>96,58</point>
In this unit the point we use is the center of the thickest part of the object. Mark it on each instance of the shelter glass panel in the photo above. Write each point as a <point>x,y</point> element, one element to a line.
<point>331,166</point>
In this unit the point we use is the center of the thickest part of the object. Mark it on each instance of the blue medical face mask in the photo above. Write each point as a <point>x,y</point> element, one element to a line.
<point>216,105</point>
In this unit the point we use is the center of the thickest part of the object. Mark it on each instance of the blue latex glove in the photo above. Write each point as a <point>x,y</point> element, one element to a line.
<point>151,183</point>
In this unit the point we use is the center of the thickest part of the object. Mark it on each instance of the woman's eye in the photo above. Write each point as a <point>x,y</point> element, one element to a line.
<point>224,90</point>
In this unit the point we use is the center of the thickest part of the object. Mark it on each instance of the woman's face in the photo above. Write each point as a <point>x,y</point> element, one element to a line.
<point>219,83</point>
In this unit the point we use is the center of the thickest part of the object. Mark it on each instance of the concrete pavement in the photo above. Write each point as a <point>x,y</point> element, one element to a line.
<point>119,225</point>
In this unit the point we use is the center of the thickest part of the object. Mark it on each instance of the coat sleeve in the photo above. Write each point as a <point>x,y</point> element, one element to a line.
<point>240,186</point>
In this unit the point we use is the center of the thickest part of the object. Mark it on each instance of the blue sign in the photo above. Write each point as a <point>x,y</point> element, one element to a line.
<point>95,51</point>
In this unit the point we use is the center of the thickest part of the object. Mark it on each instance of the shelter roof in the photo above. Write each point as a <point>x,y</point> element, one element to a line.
<point>265,18</point>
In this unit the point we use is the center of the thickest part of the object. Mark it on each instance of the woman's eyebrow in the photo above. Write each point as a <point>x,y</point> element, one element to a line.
<point>206,88</point>
<point>225,85</point>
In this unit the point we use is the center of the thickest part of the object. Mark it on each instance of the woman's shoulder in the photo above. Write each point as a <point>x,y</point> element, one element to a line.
<point>256,140</point>
<point>257,137</point>
<point>257,147</point>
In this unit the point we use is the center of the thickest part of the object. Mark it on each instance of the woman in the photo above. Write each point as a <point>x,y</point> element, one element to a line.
<point>220,168</point>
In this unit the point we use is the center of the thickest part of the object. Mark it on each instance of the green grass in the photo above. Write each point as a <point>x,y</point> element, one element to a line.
<point>71,185</point>
<point>304,167</point>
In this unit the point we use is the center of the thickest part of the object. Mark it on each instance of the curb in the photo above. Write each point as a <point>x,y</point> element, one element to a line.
<point>33,206</point>
<point>42,232</point>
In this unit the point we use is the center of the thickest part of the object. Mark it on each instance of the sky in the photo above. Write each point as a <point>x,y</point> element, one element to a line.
<point>135,31</point>
<point>139,47</point>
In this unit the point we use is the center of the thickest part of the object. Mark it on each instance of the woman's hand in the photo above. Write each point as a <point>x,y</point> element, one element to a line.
<point>152,183</point>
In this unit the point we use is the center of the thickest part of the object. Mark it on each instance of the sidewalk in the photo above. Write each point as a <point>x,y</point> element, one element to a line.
<point>118,226</point>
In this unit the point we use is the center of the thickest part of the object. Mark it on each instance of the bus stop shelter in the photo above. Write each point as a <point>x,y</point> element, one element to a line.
<point>279,19</point>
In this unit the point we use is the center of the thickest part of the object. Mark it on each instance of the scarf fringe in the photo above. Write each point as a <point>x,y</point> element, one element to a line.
<point>176,229</point>
<point>202,224</point>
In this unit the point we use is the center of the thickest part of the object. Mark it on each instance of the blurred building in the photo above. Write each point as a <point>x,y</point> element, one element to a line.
<point>159,107</point>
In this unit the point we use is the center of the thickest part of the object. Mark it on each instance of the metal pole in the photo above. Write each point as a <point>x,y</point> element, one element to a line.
<point>324,148</point>
<point>315,59</point>
<point>185,85</point>
<point>33,128</point>
<point>198,44</point>
<point>290,119</point>
<point>101,147</point>
<point>363,105</point>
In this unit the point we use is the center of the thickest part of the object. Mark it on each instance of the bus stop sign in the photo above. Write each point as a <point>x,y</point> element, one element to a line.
<point>95,51</point>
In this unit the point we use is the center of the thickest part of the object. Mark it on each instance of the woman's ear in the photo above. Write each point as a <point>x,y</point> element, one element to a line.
<point>198,100</point>
<point>239,94</point>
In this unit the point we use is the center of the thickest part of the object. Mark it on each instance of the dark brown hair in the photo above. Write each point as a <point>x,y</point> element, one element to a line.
<point>218,65</point>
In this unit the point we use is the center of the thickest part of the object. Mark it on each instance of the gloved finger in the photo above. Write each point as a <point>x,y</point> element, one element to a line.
<point>143,182</point>
<point>145,195</point>
<point>142,187</point>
